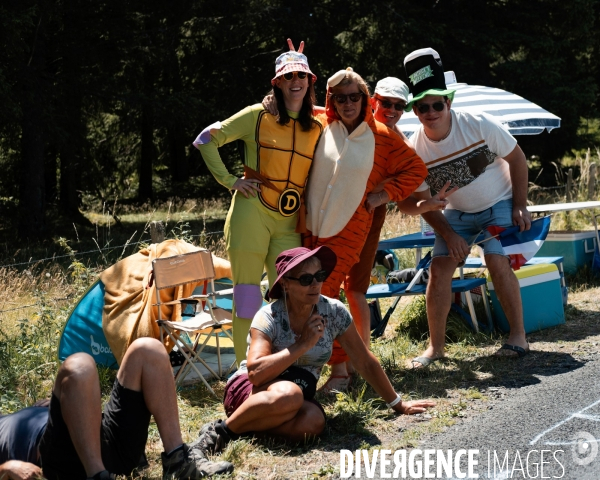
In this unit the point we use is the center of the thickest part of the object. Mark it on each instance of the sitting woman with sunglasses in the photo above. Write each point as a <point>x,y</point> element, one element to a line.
<point>264,212</point>
<point>289,342</point>
<point>356,156</point>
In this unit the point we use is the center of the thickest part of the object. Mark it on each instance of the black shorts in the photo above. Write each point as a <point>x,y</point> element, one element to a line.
<point>124,433</point>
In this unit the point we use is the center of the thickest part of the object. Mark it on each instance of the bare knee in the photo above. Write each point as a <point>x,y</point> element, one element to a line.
<point>287,396</point>
<point>498,264</point>
<point>146,350</point>
<point>441,270</point>
<point>315,422</point>
<point>77,369</point>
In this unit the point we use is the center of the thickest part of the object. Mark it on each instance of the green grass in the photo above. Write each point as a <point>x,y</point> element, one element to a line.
<point>358,419</point>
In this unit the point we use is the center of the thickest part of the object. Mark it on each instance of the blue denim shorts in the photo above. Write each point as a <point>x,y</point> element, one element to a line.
<point>470,225</point>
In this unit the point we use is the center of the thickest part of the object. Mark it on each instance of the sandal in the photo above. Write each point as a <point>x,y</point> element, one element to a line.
<point>424,361</point>
<point>341,384</point>
<point>520,351</point>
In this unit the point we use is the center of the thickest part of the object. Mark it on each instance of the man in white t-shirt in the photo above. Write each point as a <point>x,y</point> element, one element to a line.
<point>477,154</point>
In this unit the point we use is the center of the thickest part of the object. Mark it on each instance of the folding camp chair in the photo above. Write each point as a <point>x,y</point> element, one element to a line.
<point>207,320</point>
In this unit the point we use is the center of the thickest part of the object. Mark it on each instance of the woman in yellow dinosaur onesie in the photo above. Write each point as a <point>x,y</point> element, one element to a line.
<point>261,222</point>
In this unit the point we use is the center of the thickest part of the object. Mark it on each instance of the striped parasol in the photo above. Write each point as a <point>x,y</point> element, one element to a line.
<point>520,115</point>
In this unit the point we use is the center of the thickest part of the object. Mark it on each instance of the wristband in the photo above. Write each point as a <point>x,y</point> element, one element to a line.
<point>394,402</point>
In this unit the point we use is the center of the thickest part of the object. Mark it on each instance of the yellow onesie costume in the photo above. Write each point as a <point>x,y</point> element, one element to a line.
<point>259,228</point>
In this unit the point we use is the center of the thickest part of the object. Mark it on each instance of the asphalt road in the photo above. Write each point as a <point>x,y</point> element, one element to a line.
<point>559,415</point>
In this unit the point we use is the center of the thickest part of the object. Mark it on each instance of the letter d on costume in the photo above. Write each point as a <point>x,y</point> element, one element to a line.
<point>346,463</point>
<point>291,203</point>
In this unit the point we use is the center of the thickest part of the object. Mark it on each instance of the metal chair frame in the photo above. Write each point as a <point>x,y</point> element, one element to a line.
<point>209,319</point>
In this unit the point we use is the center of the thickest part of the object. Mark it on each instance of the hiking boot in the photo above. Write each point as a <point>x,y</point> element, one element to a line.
<point>213,438</point>
<point>188,463</point>
<point>103,475</point>
<point>206,427</point>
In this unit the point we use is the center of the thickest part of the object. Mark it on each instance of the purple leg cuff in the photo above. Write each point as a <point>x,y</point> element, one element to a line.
<point>248,300</point>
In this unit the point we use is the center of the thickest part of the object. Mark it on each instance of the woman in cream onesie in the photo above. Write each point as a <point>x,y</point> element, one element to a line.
<point>355,154</point>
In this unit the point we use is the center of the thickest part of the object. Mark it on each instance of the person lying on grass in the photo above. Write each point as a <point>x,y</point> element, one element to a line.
<point>289,342</point>
<point>73,439</point>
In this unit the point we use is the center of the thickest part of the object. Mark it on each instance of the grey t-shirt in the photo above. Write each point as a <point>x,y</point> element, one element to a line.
<point>274,322</point>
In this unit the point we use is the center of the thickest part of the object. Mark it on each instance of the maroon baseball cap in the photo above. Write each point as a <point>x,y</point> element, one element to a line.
<point>293,257</point>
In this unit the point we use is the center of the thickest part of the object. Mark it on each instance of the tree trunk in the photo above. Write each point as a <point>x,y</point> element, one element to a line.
<point>50,170</point>
<point>70,156</point>
<point>179,159</point>
<point>32,205</point>
<point>176,138</point>
<point>147,154</point>
<point>71,146</point>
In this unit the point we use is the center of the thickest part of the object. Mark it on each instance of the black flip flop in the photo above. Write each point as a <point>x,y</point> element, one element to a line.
<point>521,352</point>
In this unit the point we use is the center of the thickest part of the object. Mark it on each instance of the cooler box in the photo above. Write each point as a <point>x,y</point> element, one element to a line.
<point>541,296</point>
<point>577,249</point>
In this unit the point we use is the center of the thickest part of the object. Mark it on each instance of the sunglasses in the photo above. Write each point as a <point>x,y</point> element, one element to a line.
<point>437,106</point>
<point>307,279</point>
<point>341,98</point>
<point>385,104</point>
<point>289,75</point>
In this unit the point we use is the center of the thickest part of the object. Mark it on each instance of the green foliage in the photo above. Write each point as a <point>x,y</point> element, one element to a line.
<point>352,411</point>
<point>114,94</point>
<point>28,358</point>
<point>414,324</point>
<point>413,320</point>
<point>182,231</point>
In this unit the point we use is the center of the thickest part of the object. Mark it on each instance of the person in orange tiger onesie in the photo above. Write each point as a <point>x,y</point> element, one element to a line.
<point>355,154</point>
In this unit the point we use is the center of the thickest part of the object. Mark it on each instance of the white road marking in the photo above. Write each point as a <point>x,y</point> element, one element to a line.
<point>578,414</point>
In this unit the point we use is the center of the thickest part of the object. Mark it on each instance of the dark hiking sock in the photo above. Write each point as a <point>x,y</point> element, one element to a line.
<point>175,450</point>
<point>222,428</point>
<point>102,475</point>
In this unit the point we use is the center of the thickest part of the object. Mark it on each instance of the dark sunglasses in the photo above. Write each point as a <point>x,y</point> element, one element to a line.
<point>385,104</point>
<point>289,75</point>
<point>437,106</point>
<point>307,279</point>
<point>341,98</point>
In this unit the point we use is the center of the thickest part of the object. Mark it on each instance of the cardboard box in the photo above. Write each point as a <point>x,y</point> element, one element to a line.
<point>541,296</point>
<point>576,248</point>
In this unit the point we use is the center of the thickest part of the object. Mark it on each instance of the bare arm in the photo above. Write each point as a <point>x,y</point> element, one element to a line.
<point>376,198</point>
<point>458,248</point>
<point>17,470</point>
<point>412,206</point>
<point>264,366</point>
<point>517,164</point>
<point>370,369</point>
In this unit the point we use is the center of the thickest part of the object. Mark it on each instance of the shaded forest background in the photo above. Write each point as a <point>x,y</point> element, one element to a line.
<point>102,99</point>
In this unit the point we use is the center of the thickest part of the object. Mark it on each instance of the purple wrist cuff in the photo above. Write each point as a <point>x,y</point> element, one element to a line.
<point>204,136</point>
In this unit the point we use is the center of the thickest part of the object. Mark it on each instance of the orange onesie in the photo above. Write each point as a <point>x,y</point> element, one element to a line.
<point>346,168</point>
